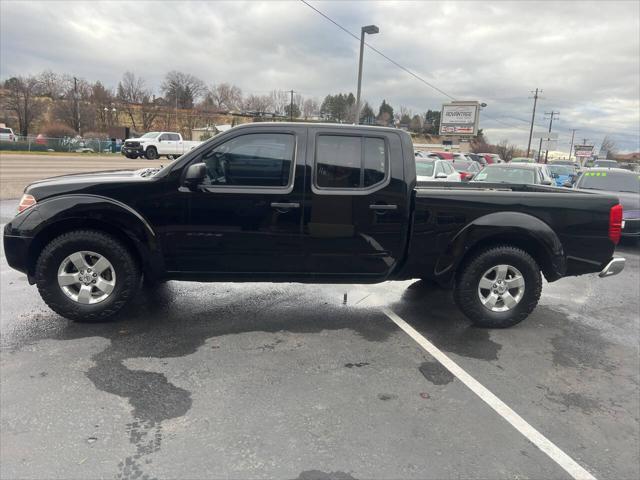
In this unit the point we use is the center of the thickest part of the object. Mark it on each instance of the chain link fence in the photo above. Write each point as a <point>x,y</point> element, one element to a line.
<point>102,146</point>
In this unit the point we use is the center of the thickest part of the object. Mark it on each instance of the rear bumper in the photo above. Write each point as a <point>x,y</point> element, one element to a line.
<point>631,228</point>
<point>614,267</point>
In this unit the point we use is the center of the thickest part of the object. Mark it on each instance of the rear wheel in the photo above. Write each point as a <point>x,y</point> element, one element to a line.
<point>151,153</point>
<point>86,275</point>
<point>499,287</point>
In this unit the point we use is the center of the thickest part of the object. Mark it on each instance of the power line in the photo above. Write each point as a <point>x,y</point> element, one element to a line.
<point>415,75</point>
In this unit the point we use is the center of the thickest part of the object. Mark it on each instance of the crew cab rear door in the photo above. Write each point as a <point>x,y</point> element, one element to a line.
<point>356,216</point>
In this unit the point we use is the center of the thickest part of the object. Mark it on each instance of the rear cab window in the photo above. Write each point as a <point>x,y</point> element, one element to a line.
<point>350,162</point>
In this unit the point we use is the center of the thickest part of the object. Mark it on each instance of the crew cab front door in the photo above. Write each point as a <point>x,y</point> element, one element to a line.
<point>356,218</point>
<point>246,218</point>
<point>167,144</point>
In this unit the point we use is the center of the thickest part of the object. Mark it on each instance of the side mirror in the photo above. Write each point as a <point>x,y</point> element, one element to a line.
<point>546,182</point>
<point>441,175</point>
<point>196,173</point>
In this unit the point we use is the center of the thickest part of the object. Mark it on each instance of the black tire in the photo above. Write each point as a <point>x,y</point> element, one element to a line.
<point>126,269</point>
<point>151,153</point>
<point>468,279</point>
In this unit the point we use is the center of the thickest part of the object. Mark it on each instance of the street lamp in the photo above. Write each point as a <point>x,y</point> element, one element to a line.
<point>371,30</point>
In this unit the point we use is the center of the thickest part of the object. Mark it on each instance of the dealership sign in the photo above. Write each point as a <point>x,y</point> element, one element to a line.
<point>584,150</point>
<point>459,118</point>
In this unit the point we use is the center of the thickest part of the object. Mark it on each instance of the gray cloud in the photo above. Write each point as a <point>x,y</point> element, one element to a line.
<point>586,56</point>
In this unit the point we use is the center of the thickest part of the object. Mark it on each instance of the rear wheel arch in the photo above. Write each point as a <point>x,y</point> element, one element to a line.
<point>517,229</point>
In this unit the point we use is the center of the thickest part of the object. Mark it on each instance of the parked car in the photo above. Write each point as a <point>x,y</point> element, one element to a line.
<point>423,154</point>
<point>623,184</point>
<point>323,203</point>
<point>7,135</point>
<point>432,170</point>
<point>444,155</point>
<point>563,175</point>
<point>157,144</point>
<point>466,168</point>
<point>477,158</point>
<point>605,164</point>
<point>492,158</point>
<point>518,173</point>
<point>523,160</point>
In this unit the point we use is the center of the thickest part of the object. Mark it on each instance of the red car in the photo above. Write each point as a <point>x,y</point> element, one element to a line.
<point>466,168</point>
<point>444,155</point>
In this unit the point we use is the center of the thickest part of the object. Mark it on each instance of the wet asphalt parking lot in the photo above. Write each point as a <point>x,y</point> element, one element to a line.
<point>287,381</point>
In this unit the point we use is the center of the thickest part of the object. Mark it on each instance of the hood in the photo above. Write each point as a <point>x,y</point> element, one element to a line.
<point>81,182</point>
<point>630,201</point>
<point>139,139</point>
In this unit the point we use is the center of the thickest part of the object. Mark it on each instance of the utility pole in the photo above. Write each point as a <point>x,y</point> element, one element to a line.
<point>76,107</point>
<point>552,115</point>
<point>291,108</point>
<point>573,134</point>
<point>533,117</point>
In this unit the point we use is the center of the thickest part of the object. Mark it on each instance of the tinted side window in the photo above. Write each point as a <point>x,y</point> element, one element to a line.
<point>375,160</point>
<point>258,159</point>
<point>174,136</point>
<point>350,162</point>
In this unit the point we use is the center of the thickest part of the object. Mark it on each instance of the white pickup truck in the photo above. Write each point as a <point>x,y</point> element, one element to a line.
<point>157,144</point>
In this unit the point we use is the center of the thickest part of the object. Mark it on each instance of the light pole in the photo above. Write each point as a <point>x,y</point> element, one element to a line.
<point>371,30</point>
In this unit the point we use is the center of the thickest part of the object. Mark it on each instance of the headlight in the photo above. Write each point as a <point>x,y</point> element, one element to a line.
<point>25,202</point>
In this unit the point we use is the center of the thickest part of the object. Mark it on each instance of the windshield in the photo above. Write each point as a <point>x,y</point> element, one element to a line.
<point>505,175</point>
<point>150,135</point>
<point>605,163</point>
<point>610,181</point>
<point>561,170</point>
<point>424,169</point>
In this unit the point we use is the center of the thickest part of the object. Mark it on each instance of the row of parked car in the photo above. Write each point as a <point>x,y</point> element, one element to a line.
<point>603,176</point>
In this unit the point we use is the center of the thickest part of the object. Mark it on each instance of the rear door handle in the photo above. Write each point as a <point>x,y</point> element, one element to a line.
<point>284,205</point>
<point>377,206</point>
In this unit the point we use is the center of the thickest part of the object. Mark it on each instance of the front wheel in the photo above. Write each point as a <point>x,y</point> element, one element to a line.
<point>151,153</point>
<point>499,287</point>
<point>86,275</point>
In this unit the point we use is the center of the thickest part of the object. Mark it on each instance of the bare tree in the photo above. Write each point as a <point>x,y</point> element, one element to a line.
<point>310,108</point>
<point>130,95</point>
<point>506,150</point>
<point>609,146</point>
<point>182,89</point>
<point>258,103</point>
<point>279,100</point>
<point>54,85</point>
<point>224,96</point>
<point>22,100</point>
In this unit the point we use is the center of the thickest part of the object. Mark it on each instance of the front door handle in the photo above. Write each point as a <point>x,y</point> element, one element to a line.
<point>285,205</point>
<point>380,206</point>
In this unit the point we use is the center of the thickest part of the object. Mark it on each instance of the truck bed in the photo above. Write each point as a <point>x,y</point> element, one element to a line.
<point>450,219</point>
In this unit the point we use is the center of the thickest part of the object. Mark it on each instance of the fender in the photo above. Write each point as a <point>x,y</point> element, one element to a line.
<point>510,227</point>
<point>94,211</point>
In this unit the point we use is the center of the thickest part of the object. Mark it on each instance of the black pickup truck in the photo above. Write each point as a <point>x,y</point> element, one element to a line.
<point>311,203</point>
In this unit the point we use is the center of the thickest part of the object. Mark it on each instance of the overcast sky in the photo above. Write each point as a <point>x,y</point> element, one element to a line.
<point>585,55</point>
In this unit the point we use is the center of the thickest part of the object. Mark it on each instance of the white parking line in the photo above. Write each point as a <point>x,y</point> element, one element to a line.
<point>520,424</point>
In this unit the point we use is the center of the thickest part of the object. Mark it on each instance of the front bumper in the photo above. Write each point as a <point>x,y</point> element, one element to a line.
<point>614,267</point>
<point>132,150</point>
<point>16,250</point>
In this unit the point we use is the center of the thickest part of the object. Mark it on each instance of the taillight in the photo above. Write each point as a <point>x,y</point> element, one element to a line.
<point>25,202</point>
<point>615,223</point>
